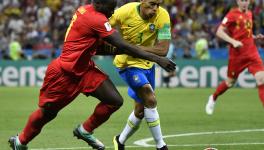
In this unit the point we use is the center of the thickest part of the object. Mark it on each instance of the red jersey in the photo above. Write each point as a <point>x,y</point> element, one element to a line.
<point>87,26</point>
<point>239,26</point>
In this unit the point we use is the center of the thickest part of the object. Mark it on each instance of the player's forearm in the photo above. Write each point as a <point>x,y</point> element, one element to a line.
<point>157,50</point>
<point>107,49</point>
<point>224,36</point>
<point>135,52</point>
<point>126,48</point>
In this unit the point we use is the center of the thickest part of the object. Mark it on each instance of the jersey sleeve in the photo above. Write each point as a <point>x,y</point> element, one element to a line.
<point>164,26</point>
<point>118,15</point>
<point>115,18</point>
<point>228,19</point>
<point>102,27</point>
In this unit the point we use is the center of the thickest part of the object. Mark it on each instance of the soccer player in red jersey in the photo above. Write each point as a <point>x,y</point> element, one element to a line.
<point>74,72</point>
<point>236,29</point>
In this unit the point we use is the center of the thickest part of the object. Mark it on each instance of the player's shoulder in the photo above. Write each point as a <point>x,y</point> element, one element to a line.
<point>129,6</point>
<point>234,11</point>
<point>90,14</point>
<point>89,11</point>
<point>163,12</point>
<point>250,13</point>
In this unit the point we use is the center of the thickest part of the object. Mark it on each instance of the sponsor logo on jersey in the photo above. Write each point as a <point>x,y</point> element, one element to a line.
<point>136,78</point>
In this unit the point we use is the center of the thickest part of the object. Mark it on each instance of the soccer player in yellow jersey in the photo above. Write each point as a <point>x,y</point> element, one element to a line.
<point>146,25</point>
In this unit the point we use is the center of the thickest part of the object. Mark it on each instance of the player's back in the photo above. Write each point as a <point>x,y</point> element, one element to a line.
<point>86,27</point>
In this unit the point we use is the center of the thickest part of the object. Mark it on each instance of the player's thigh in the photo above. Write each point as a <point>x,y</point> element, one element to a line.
<point>106,92</point>
<point>58,90</point>
<point>151,77</point>
<point>255,66</point>
<point>97,84</point>
<point>235,67</point>
<point>257,69</point>
<point>134,77</point>
<point>259,76</point>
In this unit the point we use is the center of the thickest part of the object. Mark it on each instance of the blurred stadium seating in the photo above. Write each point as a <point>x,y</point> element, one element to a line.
<point>35,22</point>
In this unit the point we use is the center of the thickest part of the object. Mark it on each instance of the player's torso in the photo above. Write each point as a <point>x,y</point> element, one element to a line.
<point>137,31</point>
<point>241,30</point>
<point>80,41</point>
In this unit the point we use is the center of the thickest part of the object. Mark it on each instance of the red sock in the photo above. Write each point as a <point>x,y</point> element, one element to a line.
<point>100,115</point>
<point>33,127</point>
<point>261,93</point>
<point>222,87</point>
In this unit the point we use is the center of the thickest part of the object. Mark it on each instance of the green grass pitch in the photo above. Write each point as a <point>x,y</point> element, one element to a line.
<point>237,124</point>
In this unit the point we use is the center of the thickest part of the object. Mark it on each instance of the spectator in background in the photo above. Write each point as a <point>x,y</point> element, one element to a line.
<point>186,16</point>
<point>3,46</point>
<point>15,26</point>
<point>179,43</point>
<point>44,15</point>
<point>201,49</point>
<point>15,50</point>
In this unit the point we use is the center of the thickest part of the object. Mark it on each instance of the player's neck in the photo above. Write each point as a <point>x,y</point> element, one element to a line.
<point>243,10</point>
<point>141,14</point>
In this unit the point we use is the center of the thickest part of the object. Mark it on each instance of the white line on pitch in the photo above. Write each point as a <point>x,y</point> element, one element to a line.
<point>143,143</point>
<point>181,145</point>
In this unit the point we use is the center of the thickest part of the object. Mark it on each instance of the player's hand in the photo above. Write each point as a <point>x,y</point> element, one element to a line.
<point>237,44</point>
<point>167,64</point>
<point>259,37</point>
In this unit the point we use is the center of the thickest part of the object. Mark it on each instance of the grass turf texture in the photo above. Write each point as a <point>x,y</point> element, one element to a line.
<point>181,111</point>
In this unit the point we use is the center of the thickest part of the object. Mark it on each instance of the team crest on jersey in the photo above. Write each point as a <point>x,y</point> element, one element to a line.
<point>152,27</point>
<point>136,78</point>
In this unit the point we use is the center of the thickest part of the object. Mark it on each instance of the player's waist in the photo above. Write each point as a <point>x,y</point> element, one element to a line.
<point>122,61</point>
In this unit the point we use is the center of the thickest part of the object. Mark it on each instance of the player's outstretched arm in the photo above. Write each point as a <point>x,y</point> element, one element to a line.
<point>105,48</point>
<point>258,37</point>
<point>126,48</point>
<point>160,48</point>
<point>221,33</point>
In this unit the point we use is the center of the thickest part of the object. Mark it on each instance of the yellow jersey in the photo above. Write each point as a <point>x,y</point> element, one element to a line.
<point>138,31</point>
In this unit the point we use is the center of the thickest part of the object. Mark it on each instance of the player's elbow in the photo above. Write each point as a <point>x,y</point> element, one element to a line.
<point>162,55</point>
<point>220,31</point>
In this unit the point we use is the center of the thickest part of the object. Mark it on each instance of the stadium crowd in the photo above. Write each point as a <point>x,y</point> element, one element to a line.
<point>38,26</point>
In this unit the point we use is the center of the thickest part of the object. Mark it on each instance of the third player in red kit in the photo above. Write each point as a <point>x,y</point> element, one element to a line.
<point>236,29</point>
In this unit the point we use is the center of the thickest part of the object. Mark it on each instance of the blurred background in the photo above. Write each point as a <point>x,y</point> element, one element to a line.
<point>35,29</point>
<point>32,33</point>
<point>38,26</point>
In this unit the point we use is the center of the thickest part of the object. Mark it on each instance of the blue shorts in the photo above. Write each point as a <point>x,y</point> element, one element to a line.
<point>136,78</point>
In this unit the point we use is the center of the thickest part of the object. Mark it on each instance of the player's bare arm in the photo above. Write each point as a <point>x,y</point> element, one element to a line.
<point>126,48</point>
<point>258,37</point>
<point>104,48</point>
<point>222,34</point>
<point>161,48</point>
